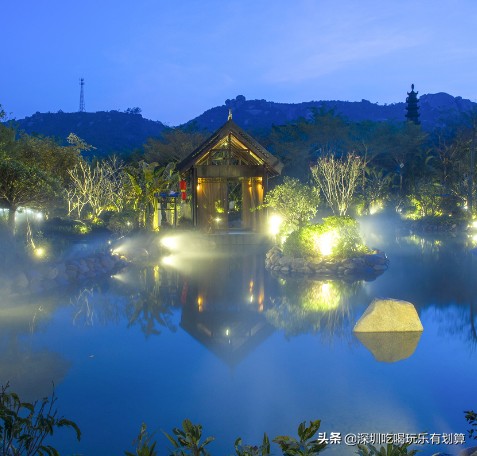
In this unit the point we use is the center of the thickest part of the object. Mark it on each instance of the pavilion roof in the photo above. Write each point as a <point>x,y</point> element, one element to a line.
<point>273,164</point>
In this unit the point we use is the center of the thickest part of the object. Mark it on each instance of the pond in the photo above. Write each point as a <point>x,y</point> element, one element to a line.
<point>214,337</point>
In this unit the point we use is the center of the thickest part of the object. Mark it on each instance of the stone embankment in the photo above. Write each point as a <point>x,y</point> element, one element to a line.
<point>37,279</point>
<point>368,265</point>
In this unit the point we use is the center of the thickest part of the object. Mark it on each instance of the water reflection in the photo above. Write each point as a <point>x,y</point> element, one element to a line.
<point>223,302</point>
<point>305,305</point>
<point>31,372</point>
<point>390,347</point>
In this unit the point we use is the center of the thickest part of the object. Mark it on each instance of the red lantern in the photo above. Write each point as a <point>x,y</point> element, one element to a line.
<point>183,196</point>
<point>183,185</point>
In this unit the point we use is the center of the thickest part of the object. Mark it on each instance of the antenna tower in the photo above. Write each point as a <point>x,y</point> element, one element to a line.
<point>81,106</point>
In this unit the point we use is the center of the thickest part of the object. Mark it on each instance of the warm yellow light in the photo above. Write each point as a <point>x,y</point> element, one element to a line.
<point>474,224</point>
<point>199,303</point>
<point>326,242</point>
<point>218,219</point>
<point>40,252</point>
<point>251,298</point>
<point>376,207</point>
<point>170,242</point>
<point>168,260</point>
<point>274,223</point>
<point>323,296</point>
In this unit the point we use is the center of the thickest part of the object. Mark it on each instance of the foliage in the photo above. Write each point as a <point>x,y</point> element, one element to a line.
<point>297,203</point>
<point>301,142</point>
<point>376,188</point>
<point>96,188</point>
<point>122,222</point>
<point>427,198</point>
<point>25,185</point>
<point>471,418</point>
<point>389,450</point>
<point>144,445</point>
<point>145,181</point>
<point>24,426</point>
<point>338,179</point>
<point>173,146</point>
<point>253,450</point>
<point>187,440</point>
<point>340,234</point>
<point>306,446</point>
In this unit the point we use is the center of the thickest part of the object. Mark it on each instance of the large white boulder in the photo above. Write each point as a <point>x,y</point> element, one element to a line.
<point>389,315</point>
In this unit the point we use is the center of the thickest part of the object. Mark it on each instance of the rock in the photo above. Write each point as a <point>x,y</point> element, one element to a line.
<point>389,315</point>
<point>390,347</point>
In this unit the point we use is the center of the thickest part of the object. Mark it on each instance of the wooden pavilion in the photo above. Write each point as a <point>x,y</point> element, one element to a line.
<point>228,178</point>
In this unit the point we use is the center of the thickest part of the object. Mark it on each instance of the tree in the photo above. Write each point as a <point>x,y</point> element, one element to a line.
<point>300,143</point>
<point>338,179</point>
<point>23,185</point>
<point>295,202</point>
<point>145,181</point>
<point>99,187</point>
<point>173,146</point>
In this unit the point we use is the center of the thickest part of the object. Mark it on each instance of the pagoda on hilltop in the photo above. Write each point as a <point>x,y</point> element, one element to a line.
<point>412,107</point>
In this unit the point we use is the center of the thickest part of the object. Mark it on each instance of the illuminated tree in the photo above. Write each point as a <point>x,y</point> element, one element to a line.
<point>98,188</point>
<point>145,181</point>
<point>338,179</point>
<point>295,202</point>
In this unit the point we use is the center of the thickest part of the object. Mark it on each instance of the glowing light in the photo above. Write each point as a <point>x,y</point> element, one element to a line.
<point>39,252</point>
<point>227,332</point>
<point>251,298</point>
<point>326,242</point>
<point>170,242</point>
<point>218,219</point>
<point>200,303</point>
<point>323,296</point>
<point>474,224</point>
<point>376,207</point>
<point>168,260</point>
<point>274,223</point>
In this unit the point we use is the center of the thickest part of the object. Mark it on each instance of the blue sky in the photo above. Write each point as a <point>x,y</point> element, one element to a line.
<point>175,59</point>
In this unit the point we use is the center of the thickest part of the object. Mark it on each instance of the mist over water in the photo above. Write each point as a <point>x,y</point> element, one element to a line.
<point>212,336</point>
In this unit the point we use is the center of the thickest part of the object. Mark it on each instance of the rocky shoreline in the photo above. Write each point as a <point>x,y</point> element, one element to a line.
<point>45,277</point>
<point>367,265</point>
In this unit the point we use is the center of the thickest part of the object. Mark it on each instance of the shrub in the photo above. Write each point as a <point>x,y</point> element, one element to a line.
<point>24,426</point>
<point>122,222</point>
<point>335,237</point>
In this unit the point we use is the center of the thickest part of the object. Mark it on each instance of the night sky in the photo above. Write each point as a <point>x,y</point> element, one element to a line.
<point>175,59</point>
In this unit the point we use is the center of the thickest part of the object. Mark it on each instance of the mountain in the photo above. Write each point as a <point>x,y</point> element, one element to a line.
<point>436,110</point>
<point>122,132</point>
<point>109,131</point>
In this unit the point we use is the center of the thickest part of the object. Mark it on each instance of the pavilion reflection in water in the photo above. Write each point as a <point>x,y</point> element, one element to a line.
<point>224,304</point>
